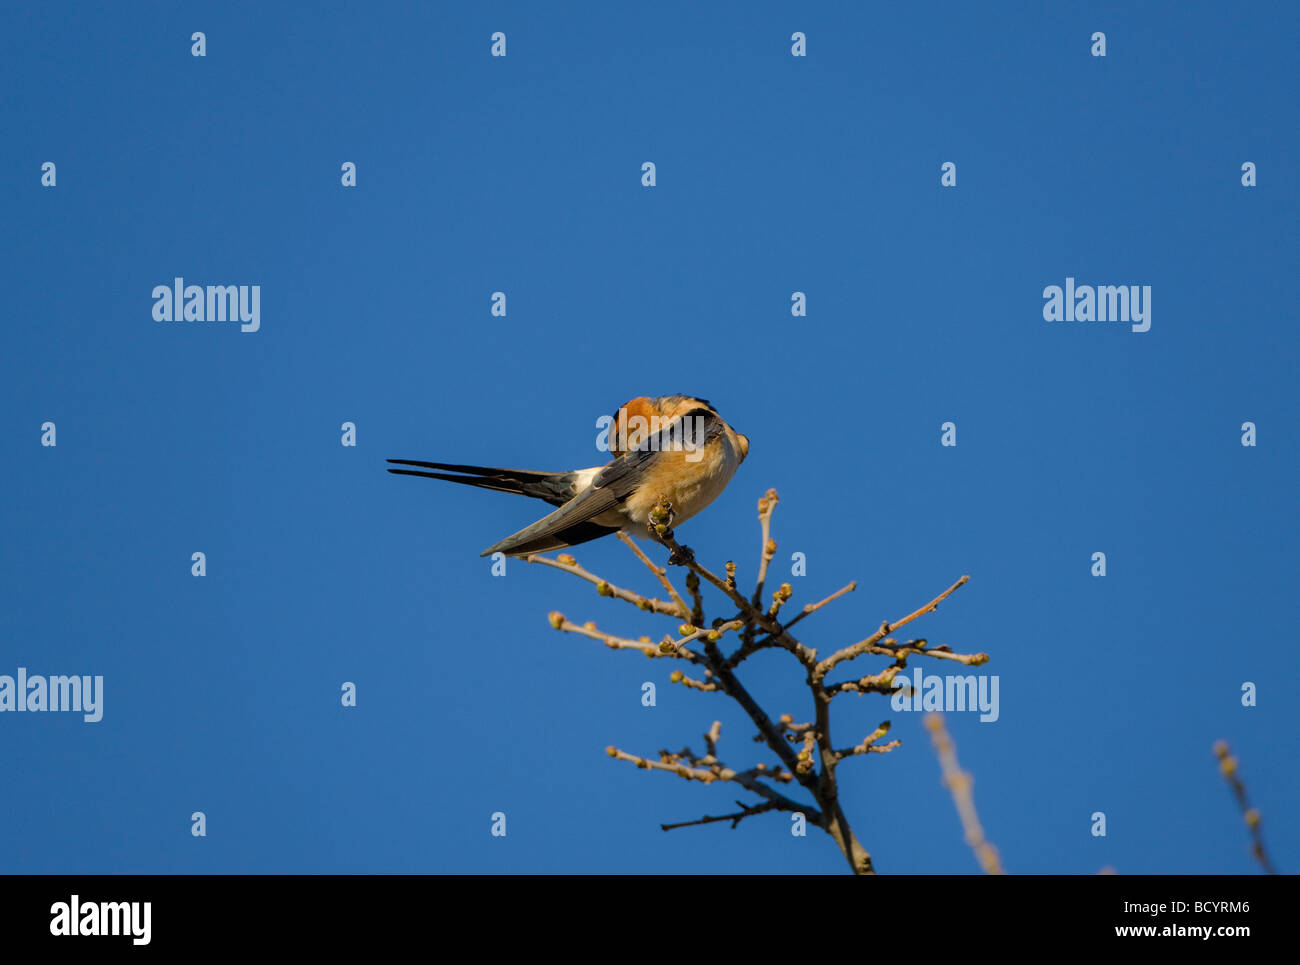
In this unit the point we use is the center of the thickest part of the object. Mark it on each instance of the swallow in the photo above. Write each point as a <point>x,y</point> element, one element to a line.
<point>672,447</point>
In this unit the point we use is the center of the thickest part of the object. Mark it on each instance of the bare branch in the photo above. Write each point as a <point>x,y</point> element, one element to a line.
<point>805,750</point>
<point>568,564</point>
<point>1228,768</point>
<point>865,646</point>
<point>746,810</point>
<point>718,772</point>
<point>697,601</point>
<point>667,648</point>
<point>766,506</point>
<point>960,783</point>
<point>869,745</point>
<point>660,573</point>
<point>678,677</point>
<point>684,556</point>
<point>814,607</point>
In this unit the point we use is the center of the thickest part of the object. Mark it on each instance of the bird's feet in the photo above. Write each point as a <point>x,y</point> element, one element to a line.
<point>681,556</point>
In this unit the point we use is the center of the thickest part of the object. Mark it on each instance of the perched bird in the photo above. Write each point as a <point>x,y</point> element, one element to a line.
<point>672,447</point>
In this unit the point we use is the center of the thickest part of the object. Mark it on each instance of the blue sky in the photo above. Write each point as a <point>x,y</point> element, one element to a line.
<point>522,174</point>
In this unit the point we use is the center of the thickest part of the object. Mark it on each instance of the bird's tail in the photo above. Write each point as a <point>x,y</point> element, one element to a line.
<point>553,487</point>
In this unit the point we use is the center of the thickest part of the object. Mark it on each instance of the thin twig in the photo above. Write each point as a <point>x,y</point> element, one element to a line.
<point>766,505</point>
<point>1228,767</point>
<point>697,601</point>
<point>684,556</point>
<point>865,646</point>
<point>660,573</point>
<point>961,784</point>
<point>814,607</point>
<point>869,745</point>
<point>718,772</point>
<point>746,810</point>
<point>605,588</point>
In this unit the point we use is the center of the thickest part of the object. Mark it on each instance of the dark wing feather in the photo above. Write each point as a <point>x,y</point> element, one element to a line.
<point>555,488</point>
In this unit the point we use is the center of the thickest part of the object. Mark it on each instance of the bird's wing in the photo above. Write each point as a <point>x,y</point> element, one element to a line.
<point>553,531</point>
<point>608,490</point>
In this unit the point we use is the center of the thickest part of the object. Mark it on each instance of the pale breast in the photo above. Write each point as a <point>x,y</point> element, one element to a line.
<point>690,486</point>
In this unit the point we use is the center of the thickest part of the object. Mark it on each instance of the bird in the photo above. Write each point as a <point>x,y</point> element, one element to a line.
<point>673,447</point>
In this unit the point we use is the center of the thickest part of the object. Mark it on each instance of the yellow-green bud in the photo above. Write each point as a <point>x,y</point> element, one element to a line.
<point>556,618</point>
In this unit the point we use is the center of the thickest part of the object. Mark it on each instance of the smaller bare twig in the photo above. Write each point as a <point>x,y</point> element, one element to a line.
<point>667,648</point>
<point>883,682</point>
<point>961,784</point>
<point>568,564</point>
<point>678,677</point>
<point>660,573</point>
<point>867,645</point>
<point>709,769</point>
<point>766,506</point>
<point>1228,767</point>
<point>684,556</point>
<point>712,737</point>
<point>746,810</point>
<point>697,600</point>
<point>869,745</point>
<point>779,599</point>
<point>814,607</point>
